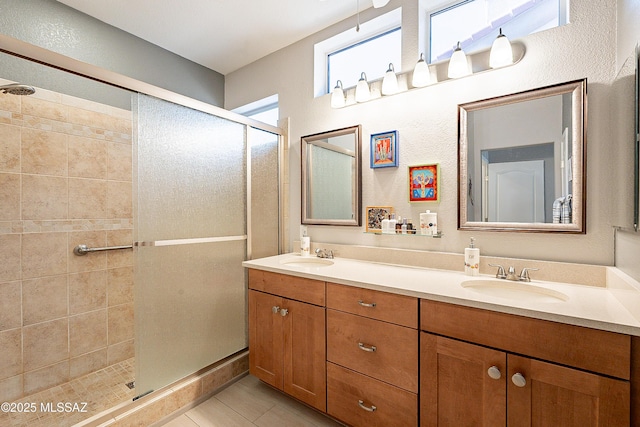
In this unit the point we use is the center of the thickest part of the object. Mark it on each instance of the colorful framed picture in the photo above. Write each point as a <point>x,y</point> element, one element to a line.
<point>424,183</point>
<point>384,149</point>
<point>375,215</point>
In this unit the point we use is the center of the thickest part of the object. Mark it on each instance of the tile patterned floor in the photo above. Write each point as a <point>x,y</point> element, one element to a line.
<point>249,403</point>
<point>100,390</point>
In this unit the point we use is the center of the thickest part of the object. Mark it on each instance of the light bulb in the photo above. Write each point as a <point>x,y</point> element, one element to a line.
<point>501,52</point>
<point>390,81</point>
<point>380,3</point>
<point>362,89</point>
<point>458,66</point>
<point>421,75</point>
<point>337,96</point>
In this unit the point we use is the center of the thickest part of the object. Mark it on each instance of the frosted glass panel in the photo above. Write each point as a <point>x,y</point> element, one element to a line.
<point>192,164</point>
<point>190,308</point>
<point>189,297</point>
<point>264,193</point>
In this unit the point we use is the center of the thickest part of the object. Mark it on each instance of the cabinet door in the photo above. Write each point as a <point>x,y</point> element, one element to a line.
<point>548,395</point>
<point>265,338</point>
<point>305,353</point>
<point>456,384</point>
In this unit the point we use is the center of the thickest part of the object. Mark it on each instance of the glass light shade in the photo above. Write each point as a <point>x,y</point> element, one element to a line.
<point>380,3</point>
<point>458,66</point>
<point>337,96</point>
<point>421,75</point>
<point>390,81</point>
<point>501,52</point>
<point>362,89</point>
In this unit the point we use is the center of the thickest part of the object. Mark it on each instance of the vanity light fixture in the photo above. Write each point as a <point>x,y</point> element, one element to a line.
<point>501,52</point>
<point>362,89</point>
<point>421,75</point>
<point>458,66</point>
<point>380,3</point>
<point>390,81</point>
<point>338,99</point>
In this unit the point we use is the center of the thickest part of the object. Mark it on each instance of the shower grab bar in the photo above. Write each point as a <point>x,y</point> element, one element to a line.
<point>81,250</point>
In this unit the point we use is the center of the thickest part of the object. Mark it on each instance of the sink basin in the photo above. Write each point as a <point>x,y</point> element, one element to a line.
<point>306,262</point>
<point>514,290</point>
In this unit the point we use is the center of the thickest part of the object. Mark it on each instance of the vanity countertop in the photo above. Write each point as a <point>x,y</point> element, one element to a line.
<point>614,308</point>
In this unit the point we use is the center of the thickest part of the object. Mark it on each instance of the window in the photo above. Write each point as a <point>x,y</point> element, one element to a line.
<point>476,23</point>
<point>346,55</point>
<point>265,110</point>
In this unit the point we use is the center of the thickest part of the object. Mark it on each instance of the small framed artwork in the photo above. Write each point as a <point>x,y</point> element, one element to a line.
<point>375,215</point>
<point>424,183</point>
<point>384,149</point>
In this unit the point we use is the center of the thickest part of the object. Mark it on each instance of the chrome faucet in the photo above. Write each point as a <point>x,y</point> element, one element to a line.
<point>323,253</point>
<point>511,273</point>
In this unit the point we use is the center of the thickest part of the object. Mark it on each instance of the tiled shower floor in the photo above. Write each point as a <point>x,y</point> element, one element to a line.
<point>100,390</point>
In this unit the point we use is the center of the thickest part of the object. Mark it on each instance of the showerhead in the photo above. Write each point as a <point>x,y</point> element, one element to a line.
<point>17,89</point>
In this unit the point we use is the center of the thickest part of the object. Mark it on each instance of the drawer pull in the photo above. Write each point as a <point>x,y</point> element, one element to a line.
<point>364,347</point>
<point>275,309</point>
<point>519,380</point>
<point>371,408</point>
<point>366,304</point>
<point>284,312</point>
<point>494,373</point>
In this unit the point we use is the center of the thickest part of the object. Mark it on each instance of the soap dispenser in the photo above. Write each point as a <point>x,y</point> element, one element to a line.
<point>472,259</point>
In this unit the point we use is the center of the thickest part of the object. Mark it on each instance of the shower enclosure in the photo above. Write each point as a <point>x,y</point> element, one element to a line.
<point>86,163</point>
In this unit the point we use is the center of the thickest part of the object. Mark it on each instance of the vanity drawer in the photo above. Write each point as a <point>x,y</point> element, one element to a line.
<point>608,353</point>
<point>352,396</point>
<point>351,341</point>
<point>292,287</point>
<point>398,309</point>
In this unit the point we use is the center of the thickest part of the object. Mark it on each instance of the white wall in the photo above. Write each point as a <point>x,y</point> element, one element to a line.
<point>427,123</point>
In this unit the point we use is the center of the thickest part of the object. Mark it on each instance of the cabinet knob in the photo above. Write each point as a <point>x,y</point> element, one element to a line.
<point>366,304</point>
<point>365,347</point>
<point>519,380</point>
<point>366,408</point>
<point>284,312</point>
<point>494,373</point>
<point>275,309</point>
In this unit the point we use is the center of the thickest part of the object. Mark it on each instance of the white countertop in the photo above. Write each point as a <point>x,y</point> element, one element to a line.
<point>589,306</point>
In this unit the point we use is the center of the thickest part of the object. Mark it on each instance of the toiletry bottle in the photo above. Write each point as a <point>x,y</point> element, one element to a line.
<point>472,259</point>
<point>403,227</point>
<point>392,224</point>
<point>385,225</point>
<point>428,223</point>
<point>305,243</point>
<point>399,225</point>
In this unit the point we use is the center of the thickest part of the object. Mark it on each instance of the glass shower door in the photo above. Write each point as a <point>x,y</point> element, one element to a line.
<point>190,209</point>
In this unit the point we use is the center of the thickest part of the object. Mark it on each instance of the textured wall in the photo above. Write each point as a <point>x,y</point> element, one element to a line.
<point>54,26</point>
<point>427,122</point>
<point>65,179</point>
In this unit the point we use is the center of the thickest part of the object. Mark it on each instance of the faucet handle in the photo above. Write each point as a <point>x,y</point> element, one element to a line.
<point>500,274</point>
<point>524,275</point>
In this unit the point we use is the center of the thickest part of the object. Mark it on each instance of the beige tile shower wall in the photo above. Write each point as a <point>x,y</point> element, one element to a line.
<point>65,179</point>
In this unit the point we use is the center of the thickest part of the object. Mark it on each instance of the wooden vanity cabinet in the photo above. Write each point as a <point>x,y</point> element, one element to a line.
<point>287,335</point>
<point>484,369</point>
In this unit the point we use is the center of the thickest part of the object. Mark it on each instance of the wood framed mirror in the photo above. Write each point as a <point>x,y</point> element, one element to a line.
<point>521,161</point>
<point>331,177</point>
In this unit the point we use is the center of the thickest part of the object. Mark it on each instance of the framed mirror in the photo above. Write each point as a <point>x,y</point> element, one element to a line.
<point>521,161</point>
<point>636,169</point>
<point>331,177</point>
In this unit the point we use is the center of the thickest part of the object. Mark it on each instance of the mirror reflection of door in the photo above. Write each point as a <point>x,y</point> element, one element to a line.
<point>515,191</point>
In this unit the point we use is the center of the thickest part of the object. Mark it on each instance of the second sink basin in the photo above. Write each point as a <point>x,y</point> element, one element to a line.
<point>514,290</point>
<point>300,261</point>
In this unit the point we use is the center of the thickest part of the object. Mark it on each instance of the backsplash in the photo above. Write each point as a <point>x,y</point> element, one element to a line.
<point>65,179</point>
<point>581,274</point>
